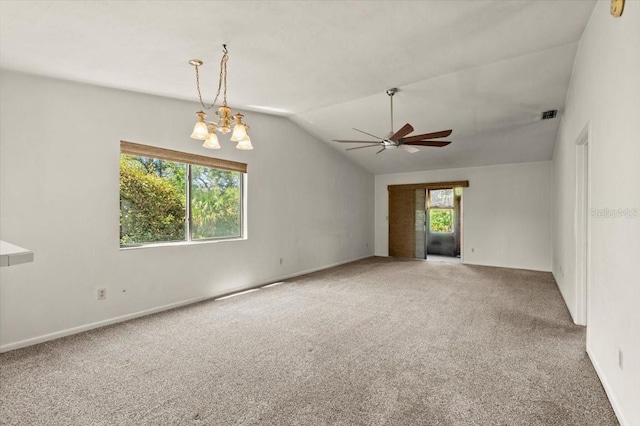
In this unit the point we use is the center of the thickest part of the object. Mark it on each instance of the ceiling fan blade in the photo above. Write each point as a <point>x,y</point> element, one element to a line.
<point>380,151</point>
<point>373,136</point>
<point>349,141</point>
<point>433,135</point>
<point>360,147</point>
<point>404,131</point>
<point>428,143</point>
<point>409,149</point>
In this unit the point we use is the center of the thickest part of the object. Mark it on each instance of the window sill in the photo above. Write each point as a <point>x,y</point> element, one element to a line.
<point>182,243</point>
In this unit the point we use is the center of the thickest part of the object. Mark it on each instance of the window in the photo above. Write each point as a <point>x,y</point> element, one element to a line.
<point>169,196</point>
<point>441,215</point>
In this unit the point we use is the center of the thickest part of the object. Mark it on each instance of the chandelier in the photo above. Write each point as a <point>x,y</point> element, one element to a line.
<point>205,130</point>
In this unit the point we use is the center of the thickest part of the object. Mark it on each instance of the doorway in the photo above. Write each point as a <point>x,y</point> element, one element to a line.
<point>425,220</point>
<point>443,224</point>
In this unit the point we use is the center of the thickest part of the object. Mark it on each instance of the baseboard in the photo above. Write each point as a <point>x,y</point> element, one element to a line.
<point>309,271</point>
<point>564,298</point>
<point>285,277</point>
<point>463,262</point>
<point>75,330</point>
<point>507,267</point>
<point>82,328</point>
<point>607,390</point>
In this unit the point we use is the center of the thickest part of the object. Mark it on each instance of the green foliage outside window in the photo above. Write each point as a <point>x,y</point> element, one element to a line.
<point>152,206</point>
<point>441,220</point>
<point>215,203</point>
<point>153,201</point>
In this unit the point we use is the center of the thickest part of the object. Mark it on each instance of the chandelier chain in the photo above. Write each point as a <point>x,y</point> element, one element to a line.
<point>221,78</point>
<point>223,65</point>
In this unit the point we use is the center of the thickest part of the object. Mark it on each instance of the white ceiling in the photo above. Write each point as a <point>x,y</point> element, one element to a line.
<point>484,68</point>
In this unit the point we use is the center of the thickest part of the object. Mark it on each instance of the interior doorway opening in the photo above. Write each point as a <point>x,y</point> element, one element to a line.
<point>442,226</point>
<point>426,220</point>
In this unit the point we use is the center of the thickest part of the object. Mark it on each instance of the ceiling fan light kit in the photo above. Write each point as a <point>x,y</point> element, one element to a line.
<point>206,130</point>
<point>400,139</point>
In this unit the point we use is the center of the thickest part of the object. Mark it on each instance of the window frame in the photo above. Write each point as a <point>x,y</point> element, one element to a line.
<point>188,160</point>
<point>189,218</point>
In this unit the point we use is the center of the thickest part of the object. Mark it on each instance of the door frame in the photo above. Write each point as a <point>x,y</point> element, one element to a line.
<point>457,216</point>
<point>582,224</point>
<point>431,185</point>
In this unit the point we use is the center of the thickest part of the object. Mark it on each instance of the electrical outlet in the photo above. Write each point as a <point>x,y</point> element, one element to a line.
<point>620,359</point>
<point>102,293</point>
<point>367,245</point>
<point>281,261</point>
<point>473,250</point>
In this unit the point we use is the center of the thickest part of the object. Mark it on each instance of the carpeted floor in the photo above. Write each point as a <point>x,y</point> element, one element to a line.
<point>379,341</point>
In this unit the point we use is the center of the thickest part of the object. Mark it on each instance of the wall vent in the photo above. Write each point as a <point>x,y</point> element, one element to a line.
<point>548,115</point>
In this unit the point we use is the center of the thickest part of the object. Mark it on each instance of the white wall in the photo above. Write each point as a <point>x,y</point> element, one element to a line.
<point>506,212</point>
<point>59,149</point>
<point>605,91</point>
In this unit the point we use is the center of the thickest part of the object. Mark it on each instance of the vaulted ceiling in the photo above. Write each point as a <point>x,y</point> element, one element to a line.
<point>483,68</point>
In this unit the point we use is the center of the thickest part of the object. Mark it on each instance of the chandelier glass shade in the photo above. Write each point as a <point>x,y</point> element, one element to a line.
<point>206,130</point>
<point>245,142</point>
<point>239,130</point>
<point>211,142</point>
<point>200,130</point>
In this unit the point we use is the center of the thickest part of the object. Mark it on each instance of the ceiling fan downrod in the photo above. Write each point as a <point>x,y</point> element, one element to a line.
<point>391,92</point>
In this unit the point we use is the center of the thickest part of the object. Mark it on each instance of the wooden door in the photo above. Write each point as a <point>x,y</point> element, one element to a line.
<point>402,222</point>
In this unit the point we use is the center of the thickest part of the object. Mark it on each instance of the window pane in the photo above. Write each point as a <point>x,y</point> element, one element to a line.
<point>441,220</point>
<point>152,200</point>
<point>215,203</point>
<point>441,197</point>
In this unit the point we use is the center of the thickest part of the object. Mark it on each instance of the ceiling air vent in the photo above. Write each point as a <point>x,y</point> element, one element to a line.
<point>548,115</point>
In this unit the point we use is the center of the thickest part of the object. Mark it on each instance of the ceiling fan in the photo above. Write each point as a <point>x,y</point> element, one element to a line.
<point>400,139</point>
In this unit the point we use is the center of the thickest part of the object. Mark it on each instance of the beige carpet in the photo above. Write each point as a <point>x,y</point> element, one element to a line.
<point>379,341</point>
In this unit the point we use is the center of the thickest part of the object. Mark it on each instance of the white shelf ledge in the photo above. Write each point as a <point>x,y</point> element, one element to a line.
<point>11,255</point>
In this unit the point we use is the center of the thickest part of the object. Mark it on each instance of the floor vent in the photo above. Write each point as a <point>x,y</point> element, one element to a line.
<point>548,115</point>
